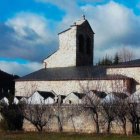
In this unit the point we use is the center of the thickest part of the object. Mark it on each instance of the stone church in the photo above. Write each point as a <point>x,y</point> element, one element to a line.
<point>71,69</point>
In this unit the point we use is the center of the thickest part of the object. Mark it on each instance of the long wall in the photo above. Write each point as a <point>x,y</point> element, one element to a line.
<point>75,119</point>
<point>26,88</point>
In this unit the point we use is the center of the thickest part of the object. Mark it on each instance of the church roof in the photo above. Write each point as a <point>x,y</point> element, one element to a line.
<point>132,62</point>
<point>19,97</point>
<point>99,94</point>
<point>121,95</point>
<point>78,23</point>
<point>71,73</point>
<point>79,95</point>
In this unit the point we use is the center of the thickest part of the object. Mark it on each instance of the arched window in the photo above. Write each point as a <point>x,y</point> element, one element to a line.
<point>88,45</point>
<point>81,43</point>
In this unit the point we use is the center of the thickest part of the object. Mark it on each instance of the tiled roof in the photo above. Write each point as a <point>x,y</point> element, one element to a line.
<point>19,97</point>
<point>77,23</point>
<point>120,95</point>
<point>132,63</point>
<point>79,95</point>
<point>80,22</point>
<point>71,73</point>
<point>64,31</point>
<point>62,96</point>
<point>100,94</point>
<point>46,94</point>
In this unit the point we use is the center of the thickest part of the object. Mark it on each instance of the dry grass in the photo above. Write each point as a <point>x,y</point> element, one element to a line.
<point>62,136</point>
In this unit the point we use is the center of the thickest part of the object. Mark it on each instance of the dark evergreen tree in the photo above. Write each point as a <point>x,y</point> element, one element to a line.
<point>108,60</point>
<point>105,61</point>
<point>12,116</point>
<point>116,59</point>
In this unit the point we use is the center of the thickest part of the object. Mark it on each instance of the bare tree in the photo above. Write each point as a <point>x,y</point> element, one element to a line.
<point>37,114</point>
<point>108,111</point>
<point>58,113</point>
<point>121,110</point>
<point>134,115</point>
<point>101,112</point>
<point>34,109</point>
<point>91,104</point>
<point>126,54</point>
<point>72,111</point>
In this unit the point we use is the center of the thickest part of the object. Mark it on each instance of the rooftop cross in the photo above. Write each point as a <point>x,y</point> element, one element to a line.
<point>83,17</point>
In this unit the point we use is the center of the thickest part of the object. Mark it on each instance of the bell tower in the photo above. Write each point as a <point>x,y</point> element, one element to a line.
<point>76,46</point>
<point>84,43</point>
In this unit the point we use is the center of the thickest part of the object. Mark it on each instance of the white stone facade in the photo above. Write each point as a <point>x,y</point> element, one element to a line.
<point>66,55</point>
<point>26,88</point>
<point>132,72</point>
<point>72,99</point>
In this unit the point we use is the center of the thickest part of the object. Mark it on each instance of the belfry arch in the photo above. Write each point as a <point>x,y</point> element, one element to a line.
<point>88,45</point>
<point>81,42</point>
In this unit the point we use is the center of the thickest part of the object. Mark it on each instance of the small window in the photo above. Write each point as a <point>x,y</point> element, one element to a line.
<point>69,101</point>
<point>81,43</point>
<point>88,45</point>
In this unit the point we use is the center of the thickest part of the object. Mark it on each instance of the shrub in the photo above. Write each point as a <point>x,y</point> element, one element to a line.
<point>12,117</point>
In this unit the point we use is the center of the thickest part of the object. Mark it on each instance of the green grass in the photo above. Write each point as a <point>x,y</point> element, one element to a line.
<point>62,136</point>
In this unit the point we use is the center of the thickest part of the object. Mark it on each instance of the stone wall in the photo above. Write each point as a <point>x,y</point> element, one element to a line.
<point>132,72</point>
<point>26,88</point>
<point>75,119</point>
<point>66,55</point>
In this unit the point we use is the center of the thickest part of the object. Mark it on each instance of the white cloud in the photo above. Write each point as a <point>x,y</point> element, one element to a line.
<point>115,26</point>
<point>27,36</point>
<point>110,21</point>
<point>19,69</point>
<point>66,5</point>
<point>24,22</point>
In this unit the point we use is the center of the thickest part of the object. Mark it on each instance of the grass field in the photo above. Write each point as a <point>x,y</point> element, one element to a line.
<point>63,136</point>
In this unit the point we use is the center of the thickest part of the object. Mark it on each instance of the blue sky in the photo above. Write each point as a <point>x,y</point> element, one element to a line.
<point>28,29</point>
<point>9,8</point>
